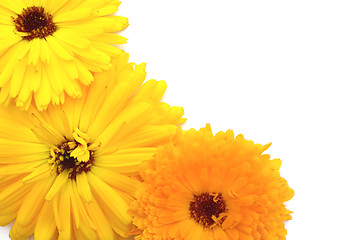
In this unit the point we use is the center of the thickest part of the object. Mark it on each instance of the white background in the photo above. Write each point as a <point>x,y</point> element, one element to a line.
<point>285,72</point>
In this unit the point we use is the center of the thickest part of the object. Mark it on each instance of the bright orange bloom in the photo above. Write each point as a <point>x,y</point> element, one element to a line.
<point>210,187</point>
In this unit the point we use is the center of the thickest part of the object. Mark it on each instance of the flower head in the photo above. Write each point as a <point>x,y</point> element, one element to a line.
<point>210,187</point>
<point>72,170</point>
<point>51,48</point>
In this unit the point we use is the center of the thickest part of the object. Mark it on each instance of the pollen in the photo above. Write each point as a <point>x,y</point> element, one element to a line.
<point>35,23</point>
<point>208,209</point>
<point>75,156</point>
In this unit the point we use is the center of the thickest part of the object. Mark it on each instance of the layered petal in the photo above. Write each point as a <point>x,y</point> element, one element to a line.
<point>70,172</point>
<point>52,48</point>
<point>202,186</point>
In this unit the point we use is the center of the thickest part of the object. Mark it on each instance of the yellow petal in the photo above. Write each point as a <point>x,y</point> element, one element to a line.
<point>83,187</point>
<point>74,15</point>
<point>62,211</point>
<point>148,136</point>
<point>12,5</point>
<point>69,37</point>
<point>119,158</point>
<point>13,192</point>
<point>18,78</point>
<point>58,49</point>
<point>110,107</point>
<point>8,42</point>
<point>109,38</point>
<point>12,56</point>
<point>106,10</point>
<point>54,5</point>
<point>41,172</point>
<point>111,50</point>
<point>112,204</point>
<point>7,219</point>
<point>129,119</point>
<point>85,76</point>
<point>57,185</point>
<point>102,224</point>
<point>17,169</point>
<point>32,204</point>
<point>47,136</point>
<point>45,225</point>
<point>55,72</point>
<point>43,95</point>
<point>151,90</point>
<point>18,148</point>
<point>84,227</point>
<point>44,51</point>
<point>35,50</point>
<point>115,23</point>
<point>116,180</point>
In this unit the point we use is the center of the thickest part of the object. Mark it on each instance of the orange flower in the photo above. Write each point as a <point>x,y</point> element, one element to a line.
<point>209,187</point>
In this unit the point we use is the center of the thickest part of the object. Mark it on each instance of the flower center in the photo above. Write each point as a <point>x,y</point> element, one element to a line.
<point>76,156</point>
<point>35,23</point>
<point>208,209</point>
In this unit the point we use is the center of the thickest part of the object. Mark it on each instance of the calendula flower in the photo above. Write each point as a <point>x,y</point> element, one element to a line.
<point>51,47</point>
<point>210,187</point>
<point>71,171</point>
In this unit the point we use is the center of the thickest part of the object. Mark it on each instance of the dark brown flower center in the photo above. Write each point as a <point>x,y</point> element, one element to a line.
<point>35,22</point>
<point>208,209</point>
<point>62,159</point>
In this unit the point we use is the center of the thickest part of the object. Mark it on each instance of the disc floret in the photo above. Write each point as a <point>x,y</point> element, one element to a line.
<point>34,22</point>
<point>76,156</point>
<point>208,209</point>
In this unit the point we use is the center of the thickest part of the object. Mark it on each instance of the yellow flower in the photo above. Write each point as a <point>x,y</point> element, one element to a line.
<point>51,47</point>
<point>72,170</point>
<point>210,187</point>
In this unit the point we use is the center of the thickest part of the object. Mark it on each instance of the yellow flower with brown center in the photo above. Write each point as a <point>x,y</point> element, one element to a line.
<point>219,187</point>
<point>71,171</point>
<point>51,48</point>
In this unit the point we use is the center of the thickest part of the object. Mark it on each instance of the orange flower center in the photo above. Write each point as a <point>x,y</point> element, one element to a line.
<point>208,209</point>
<point>35,22</point>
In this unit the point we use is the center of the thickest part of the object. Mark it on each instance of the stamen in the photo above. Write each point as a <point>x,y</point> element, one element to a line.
<point>208,209</point>
<point>72,155</point>
<point>34,22</point>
